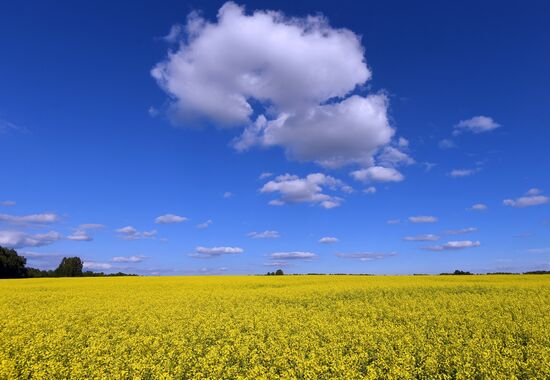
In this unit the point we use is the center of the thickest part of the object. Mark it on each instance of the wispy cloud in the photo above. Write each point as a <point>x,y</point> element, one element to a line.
<point>7,203</point>
<point>294,255</point>
<point>169,219</point>
<point>423,219</point>
<point>453,245</point>
<point>129,259</point>
<point>426,237</point>
<point>366,256</point>
<point>461,231</point>
<point>130,233</point>
<point>29,219</point>
<point>204,225</point>
<point>268,234</point>
<point>216,251</point>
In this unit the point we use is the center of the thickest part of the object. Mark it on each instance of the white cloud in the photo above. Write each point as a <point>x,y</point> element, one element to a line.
<point>478,207</point>
<point>216,251</point>
<point>170,218</point>
<point>423,219</point>
<point>292,67</point>
<point>15,239</point>
<point>264,235</point>
<point>265,175</point>
<point>129,259</point>
<point>176,33</point>
<point>453,245</point>
<point>377,174</point>
<point>80,235</point>
<point>370,190</point>
<point>461,231</point>
<point>293,189</point>
<point>403,142</point>
<point>34,218</point>
<point>391,156</point>
<point>227,195</point>
<point>476,124</point>
<point>332,135</point>
<point>534,191</point>
<point>93,265</point>
<point>7,203</point>
<point>428,166</point>
<point>426,237</point>
<point>130,233</point>
<point>462,172</point>
<point>328,240</point>
<point>447,144</point>
<point>296,255</point>
<point>366,256</point>
<point>532,198</point>
<point>205,224</point>
<point>393,221</point>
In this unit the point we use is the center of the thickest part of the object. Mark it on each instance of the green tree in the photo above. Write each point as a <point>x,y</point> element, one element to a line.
<point>279,272</point>
<point>11,264</point>
<point>69,267</point>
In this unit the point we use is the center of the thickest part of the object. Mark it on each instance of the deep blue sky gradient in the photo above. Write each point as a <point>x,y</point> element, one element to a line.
<point>75,79</point>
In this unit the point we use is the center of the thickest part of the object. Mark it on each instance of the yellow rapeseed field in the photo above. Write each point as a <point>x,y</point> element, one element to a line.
<point>305,327</point>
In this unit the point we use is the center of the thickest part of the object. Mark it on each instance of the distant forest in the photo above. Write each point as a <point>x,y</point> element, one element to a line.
<point>12,265</point>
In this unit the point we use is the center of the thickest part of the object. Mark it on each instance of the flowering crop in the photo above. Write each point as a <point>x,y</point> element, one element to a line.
<point>306,327</point>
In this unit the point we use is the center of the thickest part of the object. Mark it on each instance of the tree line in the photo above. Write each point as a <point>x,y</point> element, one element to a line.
<point>12,265</point>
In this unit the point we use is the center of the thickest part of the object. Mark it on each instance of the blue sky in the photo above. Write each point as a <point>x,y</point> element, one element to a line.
<point>360,118</point>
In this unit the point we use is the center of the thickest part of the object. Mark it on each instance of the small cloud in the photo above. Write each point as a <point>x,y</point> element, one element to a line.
<point>462,172</point>
<point>454,245</point>
<point>296,255</point>
<point>366,256</point>
<point>461,231</point>
<point>328,240</point>
<point>403,142</point>
<point>532,198</point>
<point>152,111</point>
<point>130,233</point>
<point>426,237</point>
<point>428,166</point>
<point>446,144</point>
<point>370,190</point>
<point>128,259</point>
<point>29,219</point>
<point>169,219</point>
<point>7,203</point>
<point>310,189</point>
<point>204,225</point>
<point>175,34</point>
<point>80,235</point>
<point>264,235</point>
<point>524,235</point>
<point>216,251</point>
<point>477,124</point>
<point>377,174</point>
<point>393,221</point>
<point>423,219</point>
<point>478,207</point>
<point>94,265</point>
<point>6,127</point>
<point>227,195</point>
<point>265,175</point>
